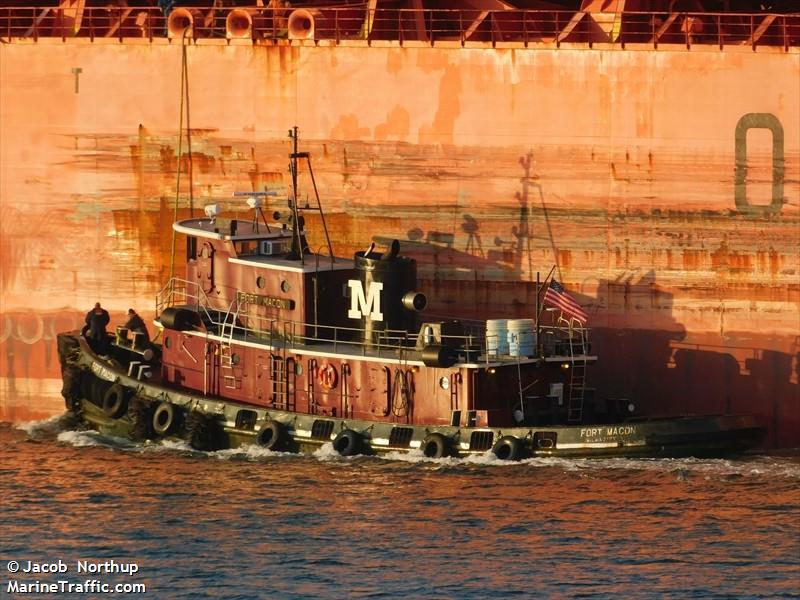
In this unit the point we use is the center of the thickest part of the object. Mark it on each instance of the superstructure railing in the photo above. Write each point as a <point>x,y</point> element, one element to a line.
<point>234,322</point>
<point>337,25</point>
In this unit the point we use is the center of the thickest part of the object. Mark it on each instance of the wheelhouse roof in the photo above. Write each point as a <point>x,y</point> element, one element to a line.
<point>245,230</point>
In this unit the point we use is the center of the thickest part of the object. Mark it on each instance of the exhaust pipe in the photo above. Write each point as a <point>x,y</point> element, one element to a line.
<point>302,24</point>
<point>239,24</point>
<point>414,301</point>
<point>180,20</point>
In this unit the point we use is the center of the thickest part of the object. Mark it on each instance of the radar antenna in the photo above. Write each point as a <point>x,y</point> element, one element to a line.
<point>256,201</point>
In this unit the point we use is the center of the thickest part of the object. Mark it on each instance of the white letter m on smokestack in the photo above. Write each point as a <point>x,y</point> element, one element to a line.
<point>360,306</point>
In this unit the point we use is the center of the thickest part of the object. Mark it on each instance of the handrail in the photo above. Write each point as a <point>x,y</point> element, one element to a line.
<point>294,334</point>
<point>430,26</point>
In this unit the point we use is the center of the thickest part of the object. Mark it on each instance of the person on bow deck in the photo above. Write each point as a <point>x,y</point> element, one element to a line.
<point>95,328</point>
<point>135,324</point>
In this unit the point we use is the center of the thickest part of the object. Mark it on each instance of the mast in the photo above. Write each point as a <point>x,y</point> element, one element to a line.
<point>299,244</point>
<point>297,249</point>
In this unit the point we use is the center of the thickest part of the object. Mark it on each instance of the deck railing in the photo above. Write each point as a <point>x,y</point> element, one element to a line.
<point>235,322</point>
<point>430,26</point>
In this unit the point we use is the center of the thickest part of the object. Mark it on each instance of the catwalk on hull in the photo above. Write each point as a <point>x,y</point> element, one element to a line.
<point>652,157</point>
<point>264,342</point>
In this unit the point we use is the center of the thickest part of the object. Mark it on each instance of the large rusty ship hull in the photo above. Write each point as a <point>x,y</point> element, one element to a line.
<point>664,184</point>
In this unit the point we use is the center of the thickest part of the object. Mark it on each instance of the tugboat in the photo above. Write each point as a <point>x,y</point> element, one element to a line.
<point>265,342</point>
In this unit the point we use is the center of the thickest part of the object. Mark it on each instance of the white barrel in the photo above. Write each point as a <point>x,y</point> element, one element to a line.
<point>521,337</point>
<point>497,337</point>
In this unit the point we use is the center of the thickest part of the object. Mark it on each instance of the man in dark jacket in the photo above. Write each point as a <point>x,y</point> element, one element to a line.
<point>95,330</point>
<point>135,324</point>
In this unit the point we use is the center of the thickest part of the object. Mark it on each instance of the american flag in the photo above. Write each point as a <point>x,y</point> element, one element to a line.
<point>557,297</point>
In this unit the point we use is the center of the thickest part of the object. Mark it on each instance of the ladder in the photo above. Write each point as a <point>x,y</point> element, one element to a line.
<point>283,390</point>
<point>226,358</point>
<point>278,373</point>
<point>577,382</point>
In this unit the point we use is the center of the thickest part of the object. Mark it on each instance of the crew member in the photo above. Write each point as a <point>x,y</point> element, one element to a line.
<point>95,329</point>
<point>135,324</point>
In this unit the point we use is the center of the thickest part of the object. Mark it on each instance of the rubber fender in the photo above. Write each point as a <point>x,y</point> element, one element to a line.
<point>67,344</point>
<point>435,445</point>
<point>437,355</point>
<point>348,443</point>
<point>140,415</point>
<point>202,431</point>
<point>87,381</point>
<point>115,401</point>
<point>165,418</point>
<point>509,447</point>
<point>272,436</point>
<point>99,388</point>
<point>180,319</point>
<point>71,384</point>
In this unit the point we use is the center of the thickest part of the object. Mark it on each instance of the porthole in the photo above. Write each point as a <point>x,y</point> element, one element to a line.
<point>444,383</point>
<point>261,282</point>
<point>285,286</point>
<point>298,368</point>
<point>167,341</point>
<point>235,359</point>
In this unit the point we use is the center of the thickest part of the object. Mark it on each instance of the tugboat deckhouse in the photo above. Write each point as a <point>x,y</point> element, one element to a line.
<point>265,342</point>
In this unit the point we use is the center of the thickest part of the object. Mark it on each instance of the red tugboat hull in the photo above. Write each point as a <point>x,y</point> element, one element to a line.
<point>210,423</point>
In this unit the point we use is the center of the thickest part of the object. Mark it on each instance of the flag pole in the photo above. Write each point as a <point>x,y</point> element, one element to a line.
<point>540,305</point>
<point>538,332</point>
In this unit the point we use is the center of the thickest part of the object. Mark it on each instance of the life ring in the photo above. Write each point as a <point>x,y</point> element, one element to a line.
<point>164,418</point>
<point>508,447</point>
<point>348,443</point>
<point>272,436</point>
<point>115,401</point>
<point>435,445</point>
<point>327,376</point>
<point>201,431</point>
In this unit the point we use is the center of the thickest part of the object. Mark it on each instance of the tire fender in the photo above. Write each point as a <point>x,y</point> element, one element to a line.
<point>165,418</point>
<point>435,445</point>
<point>115,401</point>
<point>348,443</point>
<point>508,447</point>
<point>272,436</point>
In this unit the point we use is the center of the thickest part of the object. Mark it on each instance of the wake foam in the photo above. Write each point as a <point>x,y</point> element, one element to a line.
<point>252,452</point>
<point>63,429</point>
<point>48,427</point>
<point>88,438</point>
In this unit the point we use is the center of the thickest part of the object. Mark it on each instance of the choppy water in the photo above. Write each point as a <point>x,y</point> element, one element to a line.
<point>256,524</point>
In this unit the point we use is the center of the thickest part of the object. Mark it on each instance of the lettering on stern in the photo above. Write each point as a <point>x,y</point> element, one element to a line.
<point>607,433</point>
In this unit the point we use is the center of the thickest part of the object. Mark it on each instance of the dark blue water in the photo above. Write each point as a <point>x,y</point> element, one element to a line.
<point>253,524</point>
